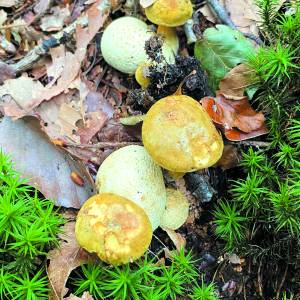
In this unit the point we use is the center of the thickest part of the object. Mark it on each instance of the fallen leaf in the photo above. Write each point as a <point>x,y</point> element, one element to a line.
<point>94,122</point>
<point>178,240</point>
<point>231,113</point>
<point>236,135</point>
<point>233,85</point>
<point>67,257</point>
<point>8,3</point>
<point>85,296</point>
<point>221,49</point>
<point>47,168</point>
<point>6,72</point>
<point>41,6</point>
<point>21,90</point>
<point>3,16</point>
<point>230,158</point>
<point>55,21</point>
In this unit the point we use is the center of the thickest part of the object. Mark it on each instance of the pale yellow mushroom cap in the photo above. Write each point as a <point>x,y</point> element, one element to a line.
<point>169,13</point>
<point>177,210</point>
<point>115,228</point>
<point>180,136</point>
<point>123,44</point>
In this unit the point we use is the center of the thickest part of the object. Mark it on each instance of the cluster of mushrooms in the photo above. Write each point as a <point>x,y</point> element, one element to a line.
<point>177,134</point>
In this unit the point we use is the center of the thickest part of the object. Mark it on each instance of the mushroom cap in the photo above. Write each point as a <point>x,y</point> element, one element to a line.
<point>114,227</point>
<point>180,136</point>
<point>177,210</point>
<point>131,173</point>
<point>169,13</point>
<point>123,44</point>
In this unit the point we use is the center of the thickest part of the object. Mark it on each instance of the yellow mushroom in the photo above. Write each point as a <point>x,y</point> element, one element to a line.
<point>169,13</point>
<point>113,227</point>
<point>180,136</point>
<point>177,210</point>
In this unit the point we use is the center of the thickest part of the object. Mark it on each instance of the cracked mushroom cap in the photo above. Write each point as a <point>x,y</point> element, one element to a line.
<point>180,136</point>
<point>131,173</point>
<point>169,13</point>
<point>115,228</point>
<point>123,44</point>
<point>177,210</point>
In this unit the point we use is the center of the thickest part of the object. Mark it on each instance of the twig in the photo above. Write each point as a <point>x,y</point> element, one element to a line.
<point>281,282</point>
<point>103,145</point>
<point>223,16</point>
<point>40,50</point>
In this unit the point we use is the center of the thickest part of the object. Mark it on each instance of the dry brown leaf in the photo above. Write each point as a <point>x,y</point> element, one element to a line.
<point>6,72</point>
<point>3,17</point>
<point>178,240</point>
<point>55,21</point>
<point>236,135</point>
<point>230,158</point>
<point>233,85</point>
<point>47,168</point>
<point>85,296</point>
<point>231,113</point>
<point>63,260</point>
<point>21,91</point>
<point>8,3</point>
<point>94,122</point>
<point>41,6</point>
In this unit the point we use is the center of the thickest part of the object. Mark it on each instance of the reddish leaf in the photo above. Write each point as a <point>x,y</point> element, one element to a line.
<point>232,113</point>
<point>238,135</point>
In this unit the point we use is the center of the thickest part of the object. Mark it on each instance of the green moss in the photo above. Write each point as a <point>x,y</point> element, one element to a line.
<point>29,226</point>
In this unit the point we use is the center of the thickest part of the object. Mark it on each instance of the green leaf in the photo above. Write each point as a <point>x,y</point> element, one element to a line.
<point>221,49</point>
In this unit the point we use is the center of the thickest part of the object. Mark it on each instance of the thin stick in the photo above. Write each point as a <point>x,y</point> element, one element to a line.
<point>253,143</point>
<point>223,16</point>
<point>103,145</point>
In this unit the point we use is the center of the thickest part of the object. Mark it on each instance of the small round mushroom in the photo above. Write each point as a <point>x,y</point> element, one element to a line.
<point>180,136</point>
<point>169,13</point>
<point>123,44</point>
<point>131,173</point>
<point>177,210</point>
<point>113,227</point>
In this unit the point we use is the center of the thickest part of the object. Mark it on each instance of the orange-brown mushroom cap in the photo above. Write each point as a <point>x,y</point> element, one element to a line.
<point>115,228</point>
<point>180,136</point>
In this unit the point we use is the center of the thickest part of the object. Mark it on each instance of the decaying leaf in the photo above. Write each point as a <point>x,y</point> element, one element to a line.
<point>63,260</point>
<point>8,3</point>
<point>230,158</point>
<point>233,85</point>
<point>85,296</point>
<point>21,91</point>
<point>231,113</point>
<point>236,135</point>
<point>55,21</point>
<point>221,49</point>
<point>178,240</point>
<point>42,163</point>
<point>6,72</point>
